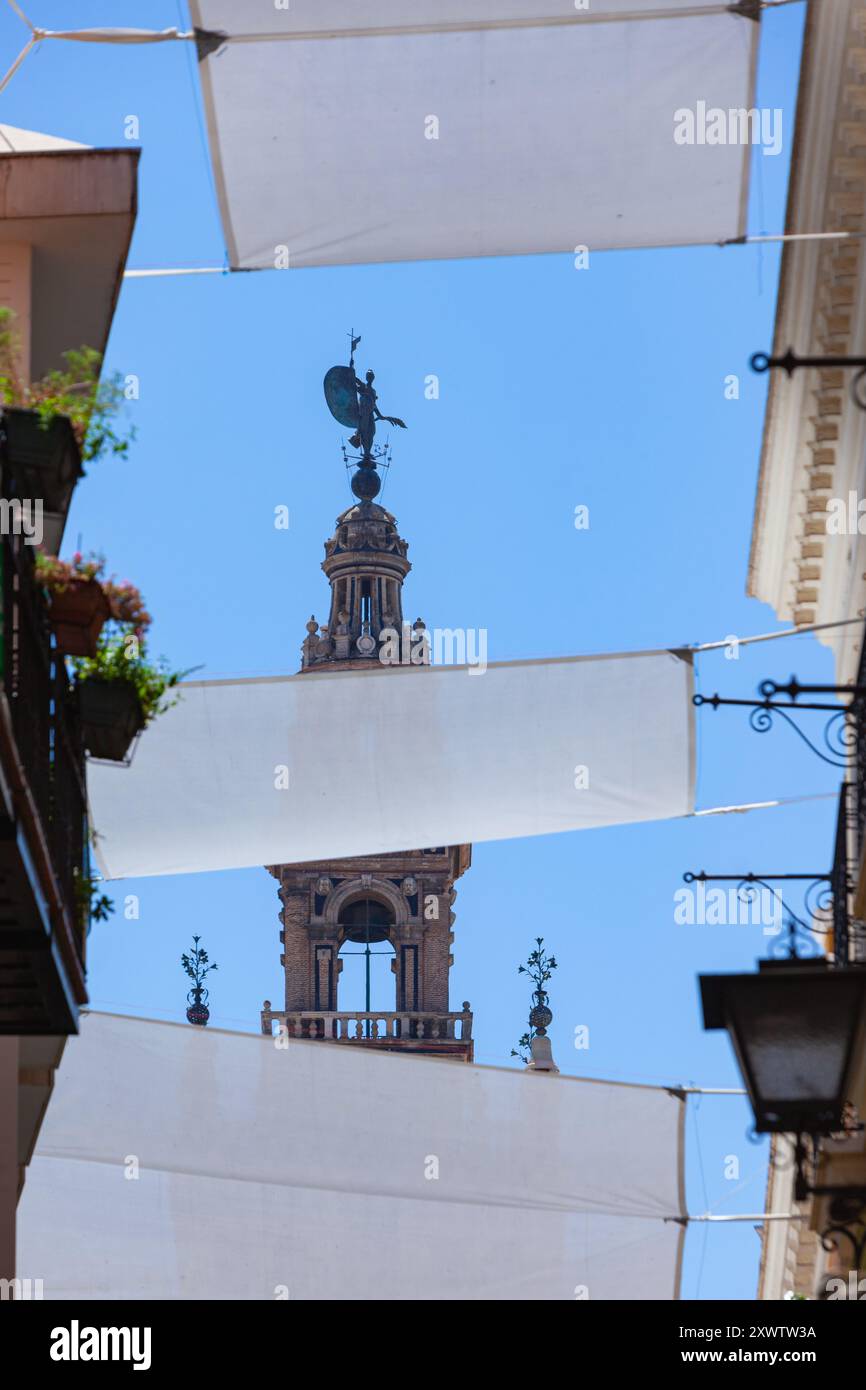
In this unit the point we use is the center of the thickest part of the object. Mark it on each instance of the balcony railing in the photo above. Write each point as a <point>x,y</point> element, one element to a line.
<point>842,872</point>
<point>47,754</point>
<point>45,722</point>
<point>421,1029</point>
<point>27,669</point>
<point>858,790</point>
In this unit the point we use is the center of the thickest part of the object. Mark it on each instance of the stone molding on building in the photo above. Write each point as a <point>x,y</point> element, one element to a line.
<point>814,447</point>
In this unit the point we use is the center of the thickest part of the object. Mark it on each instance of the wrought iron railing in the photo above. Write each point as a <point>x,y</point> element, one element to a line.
<point>858,710</point>
<point>46,727</point>
<point>842,873</point>
<point>67,820</point>
<point>27,668</point>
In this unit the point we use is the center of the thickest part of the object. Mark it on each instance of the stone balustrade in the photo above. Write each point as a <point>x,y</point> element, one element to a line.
<point>420,1029</point>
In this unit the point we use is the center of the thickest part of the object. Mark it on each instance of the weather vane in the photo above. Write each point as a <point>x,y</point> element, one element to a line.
<point>354,403</point>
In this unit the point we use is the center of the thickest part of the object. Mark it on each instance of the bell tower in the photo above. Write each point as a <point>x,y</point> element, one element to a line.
<point>365,562</point>
<point>398,904</point>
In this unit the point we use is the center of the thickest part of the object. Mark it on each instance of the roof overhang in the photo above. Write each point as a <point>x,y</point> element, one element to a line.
<point>38,1059</point>
<point>76,209</point>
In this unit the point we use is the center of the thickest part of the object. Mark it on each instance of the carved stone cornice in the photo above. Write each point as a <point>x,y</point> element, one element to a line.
<point>814,436</point>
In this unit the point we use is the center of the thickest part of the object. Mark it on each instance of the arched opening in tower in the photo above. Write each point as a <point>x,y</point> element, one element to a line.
<point>367,981</point>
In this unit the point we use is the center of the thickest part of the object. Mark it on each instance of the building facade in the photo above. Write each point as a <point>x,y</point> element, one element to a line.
<point>66,219</point>
<point>808,552</point>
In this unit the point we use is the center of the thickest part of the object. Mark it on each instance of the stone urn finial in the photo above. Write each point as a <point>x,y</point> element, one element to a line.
<point>197,967</point>
<point>534,1046</point>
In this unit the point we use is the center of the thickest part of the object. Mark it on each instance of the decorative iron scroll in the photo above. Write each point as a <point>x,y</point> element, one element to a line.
<point>789,363</point>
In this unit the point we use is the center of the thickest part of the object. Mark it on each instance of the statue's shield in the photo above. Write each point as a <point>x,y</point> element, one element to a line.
<point>341,395</point>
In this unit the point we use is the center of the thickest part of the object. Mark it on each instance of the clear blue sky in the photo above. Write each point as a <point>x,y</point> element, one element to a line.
<point>602,387</point>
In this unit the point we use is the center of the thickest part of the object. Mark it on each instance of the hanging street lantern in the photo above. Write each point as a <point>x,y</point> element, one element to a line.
<point>798,1028</point>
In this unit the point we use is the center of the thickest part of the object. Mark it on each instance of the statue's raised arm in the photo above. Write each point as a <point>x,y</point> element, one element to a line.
<point>392,419</point>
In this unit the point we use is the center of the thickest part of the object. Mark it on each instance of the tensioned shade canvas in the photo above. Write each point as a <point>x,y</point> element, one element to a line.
<point>402,130</point>
<point>179,1163</point>
<point>325,765</point>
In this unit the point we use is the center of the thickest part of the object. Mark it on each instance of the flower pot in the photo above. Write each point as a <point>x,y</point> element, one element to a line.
<point>111,717</point>
<point>77,614</point>
<point>41,465</point>
<point>198,1014</point>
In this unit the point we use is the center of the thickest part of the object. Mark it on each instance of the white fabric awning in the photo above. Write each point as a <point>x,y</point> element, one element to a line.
<point>179,1163</point>
<point>403,130</point>
<point>325,765</point>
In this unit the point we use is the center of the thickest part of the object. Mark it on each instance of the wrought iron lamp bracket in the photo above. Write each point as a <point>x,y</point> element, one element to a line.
<point>817,901</point>
<point>789,362</point>
<point>843,731</point>
<point>847,1220</point>
<point>847,1205</point>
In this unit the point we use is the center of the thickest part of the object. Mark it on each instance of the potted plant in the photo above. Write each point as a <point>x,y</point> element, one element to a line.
<point>81,601</point>
<point>78,605</point>
<point>91,905</point>
<point>53,426</point>
<point>120,691</point>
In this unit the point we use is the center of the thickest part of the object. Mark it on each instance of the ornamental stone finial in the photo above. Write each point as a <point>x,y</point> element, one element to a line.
<point>539,967</point>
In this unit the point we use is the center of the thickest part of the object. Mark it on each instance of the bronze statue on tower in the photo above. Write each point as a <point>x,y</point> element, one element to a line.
<point>354,403</point>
